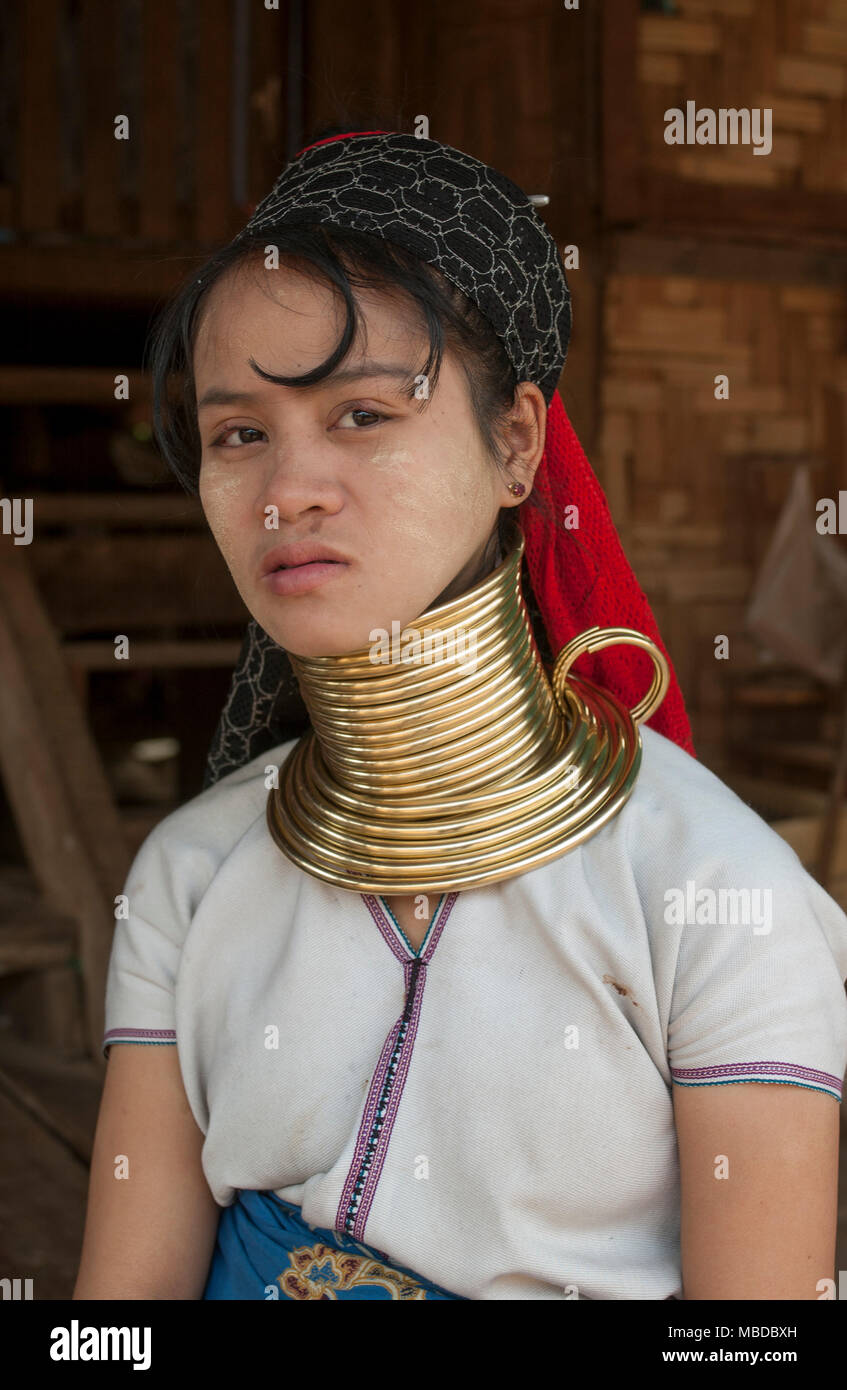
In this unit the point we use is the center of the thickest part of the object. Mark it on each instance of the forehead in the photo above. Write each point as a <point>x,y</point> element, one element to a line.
<point>252,309</point>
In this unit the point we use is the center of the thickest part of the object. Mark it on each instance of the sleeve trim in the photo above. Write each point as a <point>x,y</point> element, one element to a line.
<point>790,1073</point>
<point>138,1035</point>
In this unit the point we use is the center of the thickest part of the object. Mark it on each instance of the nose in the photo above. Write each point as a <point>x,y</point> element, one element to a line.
<point>301,478</point>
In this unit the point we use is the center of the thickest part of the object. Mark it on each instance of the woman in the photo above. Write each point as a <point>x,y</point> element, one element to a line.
<point>470,990</point>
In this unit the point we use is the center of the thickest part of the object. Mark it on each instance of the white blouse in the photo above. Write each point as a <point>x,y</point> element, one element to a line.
<point>494,1111</point>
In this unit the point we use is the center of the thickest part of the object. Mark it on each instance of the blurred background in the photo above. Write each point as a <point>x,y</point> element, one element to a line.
<point>687,262</point>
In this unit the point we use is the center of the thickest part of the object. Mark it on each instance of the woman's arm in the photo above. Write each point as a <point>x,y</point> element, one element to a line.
<point>150,1235</point>
<point>767,1230</point>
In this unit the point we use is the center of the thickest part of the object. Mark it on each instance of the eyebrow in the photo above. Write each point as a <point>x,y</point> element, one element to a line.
<point>221,395</point>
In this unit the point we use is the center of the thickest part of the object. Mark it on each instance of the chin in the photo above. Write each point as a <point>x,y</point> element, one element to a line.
<point>312,625</point>
<point>313,638</point>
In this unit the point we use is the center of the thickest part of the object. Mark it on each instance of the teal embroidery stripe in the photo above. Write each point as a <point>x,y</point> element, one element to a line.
<point>762,1081</point>
<point>154,1036</point>
<point>779,1073</point>
<point>421,950</point>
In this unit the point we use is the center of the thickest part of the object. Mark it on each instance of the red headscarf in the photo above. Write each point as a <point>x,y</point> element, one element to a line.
<point>577,588</point>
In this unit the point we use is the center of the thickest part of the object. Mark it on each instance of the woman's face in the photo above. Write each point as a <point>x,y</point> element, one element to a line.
<point>405,499</point>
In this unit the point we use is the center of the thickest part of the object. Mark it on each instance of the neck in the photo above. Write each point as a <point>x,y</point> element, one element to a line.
<point>466,705</point>
<point>443,772</point>
<point>491,557</point>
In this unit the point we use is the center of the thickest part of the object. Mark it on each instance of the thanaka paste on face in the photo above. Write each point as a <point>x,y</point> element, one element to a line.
<point>414,503</point>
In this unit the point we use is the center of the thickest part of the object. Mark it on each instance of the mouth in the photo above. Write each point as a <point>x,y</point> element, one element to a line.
<point>297,579</point>
<point>303,563</point>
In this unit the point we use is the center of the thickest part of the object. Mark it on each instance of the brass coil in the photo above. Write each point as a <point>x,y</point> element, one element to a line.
<point>423,777</point>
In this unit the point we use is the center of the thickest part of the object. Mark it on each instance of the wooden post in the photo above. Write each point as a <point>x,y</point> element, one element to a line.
<point>54,781</point>
<point>829,824</point>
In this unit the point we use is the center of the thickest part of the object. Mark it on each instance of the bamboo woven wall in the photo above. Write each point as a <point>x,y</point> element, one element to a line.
<point>789,55</point>
<point>695,483</point>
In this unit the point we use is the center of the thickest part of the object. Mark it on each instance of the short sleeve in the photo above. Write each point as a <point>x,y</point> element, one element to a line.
<point>146,948</point>
<point>166,883</point>
<point>758,993</point>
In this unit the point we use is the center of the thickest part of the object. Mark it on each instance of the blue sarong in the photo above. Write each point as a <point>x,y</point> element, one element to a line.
<point>265,1249</point>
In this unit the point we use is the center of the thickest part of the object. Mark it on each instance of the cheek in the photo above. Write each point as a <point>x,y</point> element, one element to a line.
<point>449,491</point>
<point>402,484</point>
<point>223,505</point>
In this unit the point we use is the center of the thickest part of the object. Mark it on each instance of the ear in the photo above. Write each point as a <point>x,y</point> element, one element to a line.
<point>523,436</point>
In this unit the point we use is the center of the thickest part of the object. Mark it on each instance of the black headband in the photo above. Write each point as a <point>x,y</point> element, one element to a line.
<point>453,212</point>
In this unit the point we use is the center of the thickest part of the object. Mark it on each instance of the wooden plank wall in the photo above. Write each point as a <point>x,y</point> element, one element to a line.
<point>169,67</point>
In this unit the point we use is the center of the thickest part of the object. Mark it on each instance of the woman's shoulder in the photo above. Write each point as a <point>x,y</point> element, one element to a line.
<point>191,842</point>
<point>701,856</point>
<point>681,821</point>
<point>226,809</point>
<point>680,803</point>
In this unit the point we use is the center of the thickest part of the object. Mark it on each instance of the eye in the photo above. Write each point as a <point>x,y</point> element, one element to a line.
<point>235,429</point>
<point>360,410</point>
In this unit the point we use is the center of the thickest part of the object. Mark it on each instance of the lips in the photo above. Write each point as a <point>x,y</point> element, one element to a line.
<point>304,563</point>
<point>299,567</point>
<point>295,556</point>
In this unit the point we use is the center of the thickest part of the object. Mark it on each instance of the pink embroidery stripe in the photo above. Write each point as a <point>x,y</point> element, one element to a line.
<point>393,1103</point>
<point>388,1080</point>
<point>140,1035</point>
<point>446,909</point>
<point>372,904</point>
<point>366,1124</point>
<point>738,1069</point>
